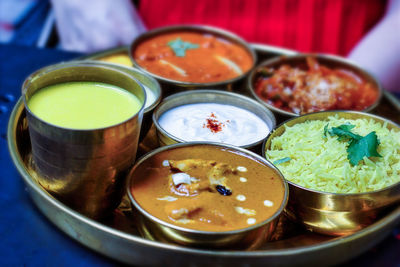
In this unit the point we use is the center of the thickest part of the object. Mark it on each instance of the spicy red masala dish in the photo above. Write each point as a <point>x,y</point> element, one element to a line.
<point>191,56</point>
<point>312,87</point>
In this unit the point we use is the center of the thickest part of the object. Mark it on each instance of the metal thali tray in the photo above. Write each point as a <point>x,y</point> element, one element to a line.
<point>118,238</point>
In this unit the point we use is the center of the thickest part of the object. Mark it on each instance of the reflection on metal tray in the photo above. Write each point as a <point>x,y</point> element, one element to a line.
<point>118,237</point>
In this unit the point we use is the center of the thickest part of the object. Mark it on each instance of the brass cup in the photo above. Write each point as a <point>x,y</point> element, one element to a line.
<point>330,61</point>
<point>248,238</point>
<point>146,80</point>
<point>172,86</point>
<point>334,213</point>
<point>211,96</point>
<point>85,169</point>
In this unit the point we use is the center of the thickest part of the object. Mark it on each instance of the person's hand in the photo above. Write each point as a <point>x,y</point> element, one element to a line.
<point>379,50</point>
<point>93,25</point>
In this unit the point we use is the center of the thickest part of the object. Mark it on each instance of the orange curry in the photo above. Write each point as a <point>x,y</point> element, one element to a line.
<point>192,57</point>
<point>314,88</point>
<point>207,188</point>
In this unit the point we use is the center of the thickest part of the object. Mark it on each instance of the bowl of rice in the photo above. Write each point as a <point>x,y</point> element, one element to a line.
<point>343,168</point>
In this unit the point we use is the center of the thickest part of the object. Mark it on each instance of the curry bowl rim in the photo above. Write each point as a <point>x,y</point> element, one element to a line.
<point>195,28</point>
<point>282,59</point>
<point>242,152</point>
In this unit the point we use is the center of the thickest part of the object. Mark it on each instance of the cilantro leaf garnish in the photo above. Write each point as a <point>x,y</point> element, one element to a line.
<point>358,146</point>
<point>364,147</point>
<point>279,161</point>
<point>326,130</point>
<point>343,131</point>
<point>179,47</point>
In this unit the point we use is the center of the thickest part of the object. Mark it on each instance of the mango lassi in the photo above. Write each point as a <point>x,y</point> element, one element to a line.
<point>84,105</point>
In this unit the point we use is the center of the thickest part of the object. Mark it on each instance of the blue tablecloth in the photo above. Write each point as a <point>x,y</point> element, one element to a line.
<point>27,237</point>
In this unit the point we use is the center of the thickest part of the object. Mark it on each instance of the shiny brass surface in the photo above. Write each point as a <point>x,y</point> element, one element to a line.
<point>333,213</point>
<point>247,238</point>
<point>210,96</point>
<point>171,86</point>
<point>330,61</point>
<point>84,168</point>
<point>117,236</point>
<point>144,79</point>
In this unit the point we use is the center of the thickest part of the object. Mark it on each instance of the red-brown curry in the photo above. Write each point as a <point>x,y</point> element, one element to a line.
<point>207,188</point>
<point>314,87</point>
<point>191,56</point>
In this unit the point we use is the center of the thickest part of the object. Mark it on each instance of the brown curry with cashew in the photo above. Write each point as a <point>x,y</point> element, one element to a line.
<point>207,188</point>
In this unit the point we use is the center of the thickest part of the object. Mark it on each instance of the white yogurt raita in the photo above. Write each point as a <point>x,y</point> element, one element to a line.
<point>214,122</point>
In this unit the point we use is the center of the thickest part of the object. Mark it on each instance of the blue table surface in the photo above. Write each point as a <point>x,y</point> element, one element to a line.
<point>27,237</point>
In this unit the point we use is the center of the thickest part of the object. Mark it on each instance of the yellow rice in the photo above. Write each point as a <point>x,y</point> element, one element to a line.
<point>321,163</point>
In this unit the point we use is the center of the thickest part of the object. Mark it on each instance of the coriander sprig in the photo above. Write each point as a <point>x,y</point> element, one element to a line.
<point>358,146</point>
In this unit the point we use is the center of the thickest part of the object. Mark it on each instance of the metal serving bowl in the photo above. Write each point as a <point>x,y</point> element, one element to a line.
<point>174,85</point>
<point>250,237</point>
<point>330,61</point>
<point>117,55</point>
<point>210,96</point>
<point>335,213</point>
<point>145,80</point>
<point>85,168</point>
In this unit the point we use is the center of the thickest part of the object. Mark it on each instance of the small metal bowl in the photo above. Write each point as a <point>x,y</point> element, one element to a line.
<point>251,237</point>
<point>170,85</point>
<point>149,83</point>
<point>118,55</point>
<point>210,96</point>
<point>330,61</point>
<point>335,213</point>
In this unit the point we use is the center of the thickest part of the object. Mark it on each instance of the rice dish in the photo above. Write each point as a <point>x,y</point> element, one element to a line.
<point>320,162</point>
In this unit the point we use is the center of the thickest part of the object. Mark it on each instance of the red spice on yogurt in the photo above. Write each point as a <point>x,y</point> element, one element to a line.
<point>213,124</point>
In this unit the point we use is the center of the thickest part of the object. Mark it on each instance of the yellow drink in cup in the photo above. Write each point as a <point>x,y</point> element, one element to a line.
<point>83,105</point>
<point>84,124</point>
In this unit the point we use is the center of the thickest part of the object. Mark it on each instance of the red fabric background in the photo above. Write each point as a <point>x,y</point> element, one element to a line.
<point>330,26</point>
